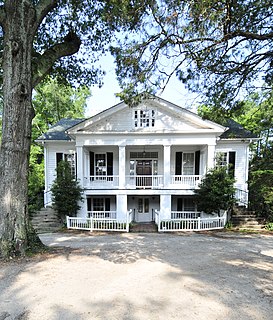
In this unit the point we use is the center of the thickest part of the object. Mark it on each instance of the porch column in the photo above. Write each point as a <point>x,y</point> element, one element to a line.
<point>210,156</point>
<point>121,206</point>
<point>80,165</point>
<point>122,167</point>
<point>165,206</point>
<point>167,165</point>
<point>82,212</point>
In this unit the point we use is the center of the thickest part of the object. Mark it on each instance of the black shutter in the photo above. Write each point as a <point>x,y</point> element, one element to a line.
<point>89,205</point>
<point>178,163</point>
<point>109,163</point>
<point>231,162</point>
<point>197,163</point>
<point>179,204</point>
<point>92,163</point>
<point>59,157</point>
<point>107,204</point>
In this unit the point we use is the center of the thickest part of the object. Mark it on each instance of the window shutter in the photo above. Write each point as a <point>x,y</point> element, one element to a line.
<point>89,205</point>
<point>59,157</point>
<point>231,162</point>
<point>92,163</point>
<point>109,163</point>
<point>197,162</point>
<point>178,163</point>
<point>107,204</point>
<point>179,204</point>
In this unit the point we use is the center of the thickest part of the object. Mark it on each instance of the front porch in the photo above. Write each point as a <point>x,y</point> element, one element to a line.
<point>190,223</point>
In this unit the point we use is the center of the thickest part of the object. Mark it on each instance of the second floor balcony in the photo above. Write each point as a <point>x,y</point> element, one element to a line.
<point>143,182</point>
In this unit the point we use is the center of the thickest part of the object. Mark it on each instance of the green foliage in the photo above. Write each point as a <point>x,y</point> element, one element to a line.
<point>269,226</point>
<point>66,192</point>
<point>216,48</point>
<point>54,99</point>
<point>216,191</point>
<point>36,179</point>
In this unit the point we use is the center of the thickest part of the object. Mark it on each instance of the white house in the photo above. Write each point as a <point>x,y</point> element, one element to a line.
<point>145,161</point>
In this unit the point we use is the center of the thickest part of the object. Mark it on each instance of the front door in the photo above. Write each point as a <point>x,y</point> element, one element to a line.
<point>143,169</point>
<point>144,211</point>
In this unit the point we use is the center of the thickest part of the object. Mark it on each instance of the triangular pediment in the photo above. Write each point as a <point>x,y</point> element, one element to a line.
<point>150,116</point>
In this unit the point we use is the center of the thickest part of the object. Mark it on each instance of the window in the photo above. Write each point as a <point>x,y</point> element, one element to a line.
<point>185,163</point>
<point>101,165</point>
<point>226,159</point>
<point>69,157</point>
<point>144,118</point>
<point>98,204</point>
<point>186,204</point>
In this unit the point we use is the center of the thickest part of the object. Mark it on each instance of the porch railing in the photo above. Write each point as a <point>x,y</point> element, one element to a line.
<point>104,223</point>
<point>190,223</point>
<point>102,214</point>
<point>184,215</point>
<point>144,181</point>
<point>186,181</point>
<point>241,197</point>
<point>101,182</point>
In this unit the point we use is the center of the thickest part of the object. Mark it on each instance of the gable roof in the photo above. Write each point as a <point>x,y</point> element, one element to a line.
<point>61,130</point>
<point>58,130</point>
<point>186,120</point>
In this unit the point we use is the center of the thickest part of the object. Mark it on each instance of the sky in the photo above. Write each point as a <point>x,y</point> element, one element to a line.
<point>104,98</point>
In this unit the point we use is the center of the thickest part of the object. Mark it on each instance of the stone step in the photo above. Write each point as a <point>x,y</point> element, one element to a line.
<point>46,220</point>
<point>143,227</point>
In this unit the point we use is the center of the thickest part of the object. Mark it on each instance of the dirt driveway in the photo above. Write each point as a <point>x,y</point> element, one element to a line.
<point>221,276</point>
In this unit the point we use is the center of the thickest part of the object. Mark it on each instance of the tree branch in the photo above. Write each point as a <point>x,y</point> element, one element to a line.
<point>43,7</point>
<point>42,64</point>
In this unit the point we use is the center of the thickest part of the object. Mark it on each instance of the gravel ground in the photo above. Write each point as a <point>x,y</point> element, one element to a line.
<point>189,276</point>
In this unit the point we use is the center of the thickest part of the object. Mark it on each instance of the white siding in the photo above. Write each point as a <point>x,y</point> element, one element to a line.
<point>241,160</point>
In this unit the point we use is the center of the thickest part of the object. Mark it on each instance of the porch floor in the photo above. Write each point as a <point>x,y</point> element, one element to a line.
<point>148,227</point>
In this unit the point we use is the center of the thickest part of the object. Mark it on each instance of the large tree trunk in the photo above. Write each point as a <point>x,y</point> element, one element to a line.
<point>17,117</point>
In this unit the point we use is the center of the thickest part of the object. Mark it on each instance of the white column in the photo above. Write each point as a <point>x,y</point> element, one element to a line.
<point>165,206</point>
<point>122,167</point>
<point>80,165</point>
<point>167,165</point>
<point>210,157</point>
<point>82,212</point>
<point>121,207</point>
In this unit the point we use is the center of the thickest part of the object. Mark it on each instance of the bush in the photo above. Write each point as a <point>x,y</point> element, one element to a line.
<point>216,191</point>
<point>66,192</point>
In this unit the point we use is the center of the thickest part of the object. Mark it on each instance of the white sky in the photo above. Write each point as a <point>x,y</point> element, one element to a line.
<point>104,98</point>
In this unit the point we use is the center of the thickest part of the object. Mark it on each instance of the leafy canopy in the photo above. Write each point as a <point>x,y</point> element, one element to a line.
<point>217,48</point>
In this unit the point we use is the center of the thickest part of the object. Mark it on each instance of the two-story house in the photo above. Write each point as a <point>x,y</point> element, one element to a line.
<point>146,160</point>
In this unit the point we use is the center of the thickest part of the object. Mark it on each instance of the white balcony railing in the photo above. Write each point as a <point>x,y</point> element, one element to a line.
<point>101,182</point>
<point>186,181</point>
<point>143,182</point>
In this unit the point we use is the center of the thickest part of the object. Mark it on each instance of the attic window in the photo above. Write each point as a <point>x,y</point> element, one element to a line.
<point>144,118</point>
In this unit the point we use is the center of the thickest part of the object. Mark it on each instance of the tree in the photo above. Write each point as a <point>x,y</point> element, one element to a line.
<point>255,114</point>
<point>217,48</point>
<point>39,37</point>
<point>66,192</point>
<point>53,100</point>
<point>216,191</point>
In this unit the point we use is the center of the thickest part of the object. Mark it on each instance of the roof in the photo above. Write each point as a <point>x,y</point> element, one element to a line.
<point>58,130</point>
<point>236,131</point>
